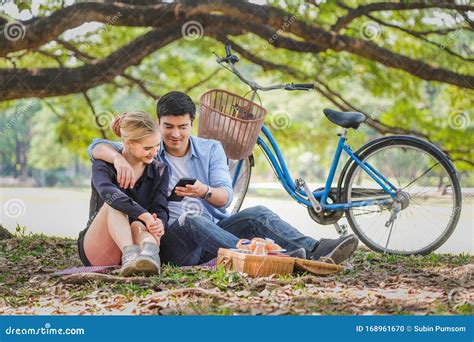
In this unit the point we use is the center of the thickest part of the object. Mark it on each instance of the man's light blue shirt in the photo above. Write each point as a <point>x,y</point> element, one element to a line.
<point>208,163</point>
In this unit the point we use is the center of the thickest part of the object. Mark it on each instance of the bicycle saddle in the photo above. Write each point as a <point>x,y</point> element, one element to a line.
<point>344,119</point>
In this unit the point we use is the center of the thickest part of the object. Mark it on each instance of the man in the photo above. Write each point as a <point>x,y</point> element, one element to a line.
<point>199,225</point>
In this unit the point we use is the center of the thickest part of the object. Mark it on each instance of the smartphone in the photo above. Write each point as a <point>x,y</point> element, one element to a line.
<point>182,182</point>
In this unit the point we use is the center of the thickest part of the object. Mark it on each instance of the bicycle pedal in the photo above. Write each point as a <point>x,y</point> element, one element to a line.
<point>341,229</point>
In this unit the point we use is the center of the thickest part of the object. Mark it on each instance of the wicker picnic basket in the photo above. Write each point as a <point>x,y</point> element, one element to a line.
<point>317,267</point>
<point>233,120</point>
<point>265,265</point>
<point>255,265</point>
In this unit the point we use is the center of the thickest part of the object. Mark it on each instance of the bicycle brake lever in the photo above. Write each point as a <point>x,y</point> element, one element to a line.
<point>218,59</point>
<point>232,59</point>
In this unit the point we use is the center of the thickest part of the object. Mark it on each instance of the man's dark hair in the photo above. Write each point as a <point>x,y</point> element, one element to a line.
<point>175,103</point>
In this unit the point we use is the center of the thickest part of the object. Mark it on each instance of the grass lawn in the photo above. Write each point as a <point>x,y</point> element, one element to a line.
<point>372,283</point>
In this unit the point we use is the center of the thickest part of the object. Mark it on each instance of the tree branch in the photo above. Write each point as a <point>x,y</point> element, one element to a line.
<point>204,80</point>
<point>442,47</point>
<point>54,111</point>
<point>354,13</point>
<point>20,83</point>
<point>467,19</point>
<point>463,160</point>
<point>132,80</point>
<point>141,85</point>
<point>441,31</point>
<point>50,55</point>
<point>77,53</point>
<point>40,30</point>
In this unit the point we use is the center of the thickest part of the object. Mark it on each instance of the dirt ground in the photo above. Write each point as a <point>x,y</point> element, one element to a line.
<point>371,284</point>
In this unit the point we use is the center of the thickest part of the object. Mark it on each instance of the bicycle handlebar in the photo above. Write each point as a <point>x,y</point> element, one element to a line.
<point>231,59</point>
<point>301,86</point>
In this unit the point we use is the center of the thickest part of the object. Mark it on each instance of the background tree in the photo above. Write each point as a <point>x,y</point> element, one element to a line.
<point>406,65</point>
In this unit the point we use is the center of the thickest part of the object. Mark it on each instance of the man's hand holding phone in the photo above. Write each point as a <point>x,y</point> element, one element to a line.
<point>196,190</point>
<point>182,189</point>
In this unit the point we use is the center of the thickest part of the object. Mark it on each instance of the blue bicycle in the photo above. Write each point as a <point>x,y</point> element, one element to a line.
<point>399,194</point>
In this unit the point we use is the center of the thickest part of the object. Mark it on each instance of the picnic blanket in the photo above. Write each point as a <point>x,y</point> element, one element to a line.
<point>211,264</point>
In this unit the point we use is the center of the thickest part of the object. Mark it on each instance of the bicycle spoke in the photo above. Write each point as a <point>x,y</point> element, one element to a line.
<point>421,205</point>
<point>424,173</point>
<point>431,192</point>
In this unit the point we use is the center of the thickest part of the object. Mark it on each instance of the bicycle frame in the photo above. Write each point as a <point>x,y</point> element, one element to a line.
<point>275,157</point>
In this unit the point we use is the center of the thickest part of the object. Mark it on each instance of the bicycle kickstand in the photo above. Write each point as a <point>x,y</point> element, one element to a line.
<point>393,216</point>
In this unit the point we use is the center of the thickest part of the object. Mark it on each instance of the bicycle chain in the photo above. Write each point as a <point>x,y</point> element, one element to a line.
<point>367,213</point>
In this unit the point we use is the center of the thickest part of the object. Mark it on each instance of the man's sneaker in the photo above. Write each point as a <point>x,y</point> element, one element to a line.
<point>148,261</point>
<point>336,249</point>
<point>129,256</point>
<point>297,253</point>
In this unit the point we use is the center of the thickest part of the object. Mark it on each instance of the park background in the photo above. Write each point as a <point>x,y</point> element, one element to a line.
<point>67,67</point>
<point>44,140</point>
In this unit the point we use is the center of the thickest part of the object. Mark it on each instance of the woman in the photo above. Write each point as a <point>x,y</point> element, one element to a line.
<point>130,223</point>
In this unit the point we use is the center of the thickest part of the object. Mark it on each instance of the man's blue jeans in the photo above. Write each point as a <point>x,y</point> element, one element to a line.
<point>198,239</point>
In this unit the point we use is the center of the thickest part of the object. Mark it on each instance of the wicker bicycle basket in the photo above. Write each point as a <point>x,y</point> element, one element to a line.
<point>233,120</point>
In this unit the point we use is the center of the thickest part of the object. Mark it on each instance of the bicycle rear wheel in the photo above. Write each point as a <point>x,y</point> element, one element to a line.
<point>426,181</point>
<point>240,177</point>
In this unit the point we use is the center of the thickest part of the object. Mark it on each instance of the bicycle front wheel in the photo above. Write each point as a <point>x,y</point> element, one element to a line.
<point>427,186</point>
<point>240,173</point>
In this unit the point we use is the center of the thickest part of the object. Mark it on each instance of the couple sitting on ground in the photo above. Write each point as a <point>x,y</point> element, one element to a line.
<point>132,223</point>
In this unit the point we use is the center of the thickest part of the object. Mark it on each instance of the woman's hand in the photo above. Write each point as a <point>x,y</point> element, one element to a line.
<point>153,225</point>
<point>157,229</point>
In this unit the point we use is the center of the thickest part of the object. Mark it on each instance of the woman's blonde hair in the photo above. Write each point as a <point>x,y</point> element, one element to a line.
<point>134,125</point>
